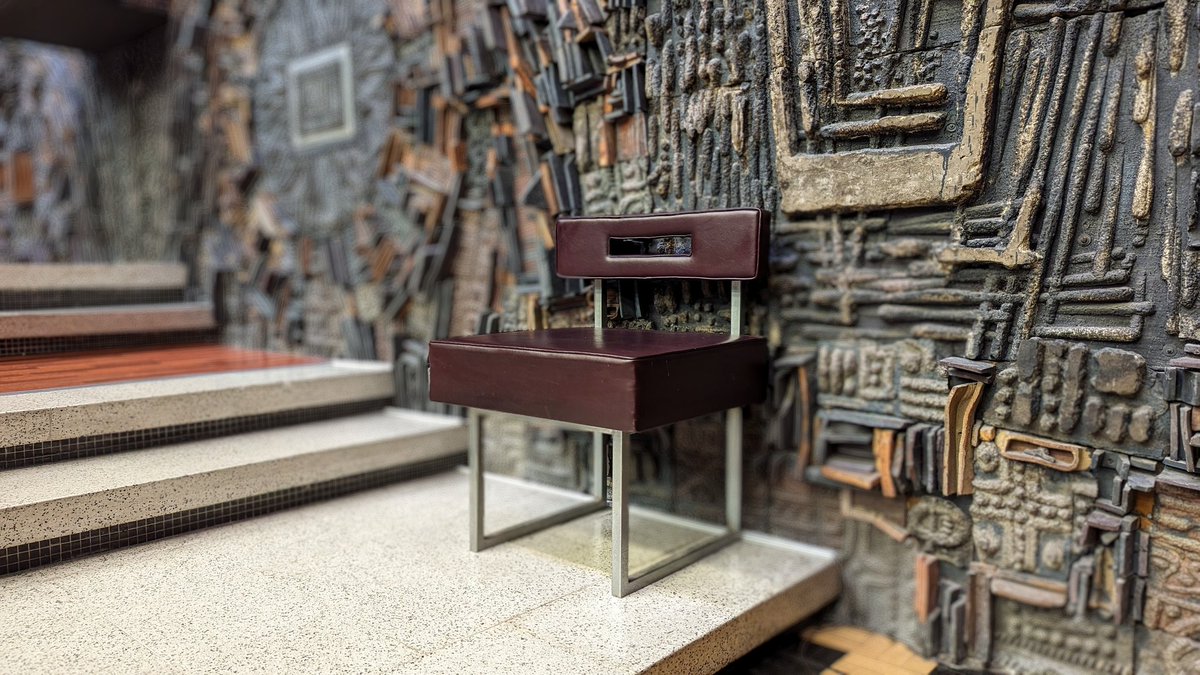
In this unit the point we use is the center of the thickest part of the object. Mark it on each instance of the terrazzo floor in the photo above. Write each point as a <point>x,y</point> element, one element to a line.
<point>383,581</point>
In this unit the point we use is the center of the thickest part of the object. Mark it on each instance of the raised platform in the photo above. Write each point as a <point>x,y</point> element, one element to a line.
<point>112,320</point>
<point>383,581</point>
<point>89,411</point>
<point>62,276</point>
<point>68,509</point>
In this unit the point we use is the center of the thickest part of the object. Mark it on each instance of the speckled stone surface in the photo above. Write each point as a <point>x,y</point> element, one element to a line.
<point>382,581</point>
<point>45,277</point>
<point>118,320</point>
<point>40,416</point>
<point>52,500</point>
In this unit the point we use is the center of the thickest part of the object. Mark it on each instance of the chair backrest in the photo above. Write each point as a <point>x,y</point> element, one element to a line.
<point>727,244</point>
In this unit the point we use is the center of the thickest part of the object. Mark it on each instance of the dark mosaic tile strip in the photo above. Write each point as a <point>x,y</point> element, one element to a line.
<point>59,549</point>
<point>41,345</point>
<point>87,297</point>
<point>17,456</point>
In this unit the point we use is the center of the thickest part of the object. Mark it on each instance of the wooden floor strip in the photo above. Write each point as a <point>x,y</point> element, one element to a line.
<point>56,371</point>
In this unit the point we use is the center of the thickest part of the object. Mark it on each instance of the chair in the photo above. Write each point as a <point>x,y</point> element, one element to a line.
<point>619,382</point>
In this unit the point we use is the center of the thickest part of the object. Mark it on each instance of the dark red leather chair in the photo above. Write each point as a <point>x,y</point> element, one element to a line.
<point>614,381</point>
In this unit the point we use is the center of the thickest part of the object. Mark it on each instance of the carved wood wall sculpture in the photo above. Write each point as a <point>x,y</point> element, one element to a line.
<point>97,151</point>
<point>985,265</point>
<point>45,164</point>
<point>985,269</point>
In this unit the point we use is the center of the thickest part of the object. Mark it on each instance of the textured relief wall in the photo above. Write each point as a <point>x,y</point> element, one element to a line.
<point>43,98</point>
<point>985,266</point>
<point>96,152</point>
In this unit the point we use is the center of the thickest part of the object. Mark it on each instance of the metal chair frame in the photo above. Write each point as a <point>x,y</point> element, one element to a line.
<point>624,581</point>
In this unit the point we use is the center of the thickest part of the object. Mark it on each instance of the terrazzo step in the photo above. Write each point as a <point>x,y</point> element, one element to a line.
<point>31,286</point>
<point>80,421</point>
<point>59,511</point>
<point>384,581</point>
<point>72,322</point>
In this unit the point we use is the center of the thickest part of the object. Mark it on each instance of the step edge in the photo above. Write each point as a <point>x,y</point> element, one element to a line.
<point>199,383</point>
<point>117,321</point>
<point>799,601</point>
<point>147,308</point>
<point>294,440</point>
<point>97,510</point>
<point>50,421</point>
<point>21,277</point>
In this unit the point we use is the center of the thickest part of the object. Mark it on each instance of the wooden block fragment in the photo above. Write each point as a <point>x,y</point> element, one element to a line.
<point>1030,590</point>
<point>806,424</point>
<point>887,515</point>
<point>864,481</point>
<point>545,231</point>
<point>958,461</point>
<point>23,187</point>
<point>549,190</point>
<point>631,138</point>
<point>1045,452</point>
<point>874,645</point>
<point>883,445</point>
<point>839,638</point>
<point>860,664</point>
<point>606,154</point>
<point>237,139</point>
<point>927,572</point>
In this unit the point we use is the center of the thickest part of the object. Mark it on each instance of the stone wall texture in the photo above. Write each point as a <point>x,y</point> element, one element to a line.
<point>984,289</point>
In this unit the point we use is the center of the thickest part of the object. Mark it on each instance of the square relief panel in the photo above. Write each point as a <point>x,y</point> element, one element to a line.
<point>320,96</point>
<point>882,104</point>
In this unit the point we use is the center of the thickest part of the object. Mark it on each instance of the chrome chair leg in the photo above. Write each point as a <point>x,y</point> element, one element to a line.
<point>733,469</point>
<point>621,456</point>
<point>480,539</point>
<point>623,581</point>
<point>475,473</point>
<point>599,475</point>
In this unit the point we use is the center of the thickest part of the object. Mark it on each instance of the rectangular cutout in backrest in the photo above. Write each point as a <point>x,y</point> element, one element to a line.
<point>666,245</point>
<point>722,244</point>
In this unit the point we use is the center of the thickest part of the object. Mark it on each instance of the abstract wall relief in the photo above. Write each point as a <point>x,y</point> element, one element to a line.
<point>88,141</point>
<point>320,97</point>
<point>706,84</point>
<point>985,267</point>
<point>322,107</point>
<point>44,98</point>
<point>882,104</point>
<point>1006,350</point>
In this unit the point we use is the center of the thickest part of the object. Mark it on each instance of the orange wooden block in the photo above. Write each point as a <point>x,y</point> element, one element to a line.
<point>927,572</point>
<point>866,481</point>
<point>23,192</point>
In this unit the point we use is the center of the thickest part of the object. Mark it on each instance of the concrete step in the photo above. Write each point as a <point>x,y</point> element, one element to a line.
<point>384,581</point>
<point>55,424</point>
<point>111,320</point>
<point>67,276</point>
<point>59,511</point>
<point>40,286</point>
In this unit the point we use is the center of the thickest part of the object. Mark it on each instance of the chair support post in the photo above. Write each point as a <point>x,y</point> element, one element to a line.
<point>620,513</point>
<point>475,473</point>
<point>735,309</point>
<point>598,301</point>
<point>733,469</point>
<point>480,539</point>
<point>598,473</point>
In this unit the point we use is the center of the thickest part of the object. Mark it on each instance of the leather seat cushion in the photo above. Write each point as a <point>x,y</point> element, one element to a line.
<point>627,380</point>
